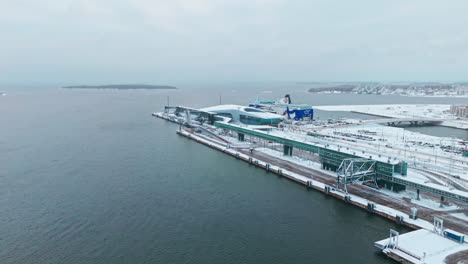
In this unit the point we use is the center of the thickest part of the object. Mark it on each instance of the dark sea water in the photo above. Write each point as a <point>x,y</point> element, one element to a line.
<point>88,176</point>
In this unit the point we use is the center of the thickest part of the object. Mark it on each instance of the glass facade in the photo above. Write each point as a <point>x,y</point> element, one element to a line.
<point>250,120</point>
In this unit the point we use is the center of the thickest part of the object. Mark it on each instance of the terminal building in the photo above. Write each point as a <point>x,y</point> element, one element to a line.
<point>245,115</point>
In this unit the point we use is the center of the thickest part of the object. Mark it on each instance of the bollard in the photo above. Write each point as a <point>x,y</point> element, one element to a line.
<point>370,207</point>
<point>280,171</point>
<point>414,213</point>
<point>347,198</point>
<point>399,219</point>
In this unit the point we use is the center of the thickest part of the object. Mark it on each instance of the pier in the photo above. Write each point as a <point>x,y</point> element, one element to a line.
<point>386,168</point>
<point>425,246</point>
<point>359,195</point>
<point>245,144</point>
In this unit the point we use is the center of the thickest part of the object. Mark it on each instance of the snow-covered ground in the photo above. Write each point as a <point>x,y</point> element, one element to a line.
<point>433,175</point>
<point>426,111</point>
<point>295,159</point>
<point>424,202</point>
<point>418,150</point>
<point>413,175</point>
<point>301,136</point>
<point>424,246</point>
<point>461,216</point>
<point>434,205</point>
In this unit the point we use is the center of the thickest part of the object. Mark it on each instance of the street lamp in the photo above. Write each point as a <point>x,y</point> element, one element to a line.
<point>452,138</point>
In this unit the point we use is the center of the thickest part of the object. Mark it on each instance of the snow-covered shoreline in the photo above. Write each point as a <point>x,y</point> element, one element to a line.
<point>433,111</point>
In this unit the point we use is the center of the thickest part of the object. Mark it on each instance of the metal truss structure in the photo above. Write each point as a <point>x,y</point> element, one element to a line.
<point>355,170</point>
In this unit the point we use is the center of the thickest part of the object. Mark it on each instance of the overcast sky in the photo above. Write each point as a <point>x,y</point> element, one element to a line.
<point>101,41</point>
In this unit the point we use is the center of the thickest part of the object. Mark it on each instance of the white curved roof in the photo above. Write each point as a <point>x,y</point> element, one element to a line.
<point>230,108</point>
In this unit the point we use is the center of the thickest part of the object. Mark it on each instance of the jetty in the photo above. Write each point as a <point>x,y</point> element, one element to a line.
<point>439,245</point>
<point>362,178</point>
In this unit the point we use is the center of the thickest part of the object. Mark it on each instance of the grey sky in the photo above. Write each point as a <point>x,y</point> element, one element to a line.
<point>251,40</point>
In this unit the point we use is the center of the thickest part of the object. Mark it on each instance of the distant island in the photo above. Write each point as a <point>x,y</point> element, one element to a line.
<point>121,86</point>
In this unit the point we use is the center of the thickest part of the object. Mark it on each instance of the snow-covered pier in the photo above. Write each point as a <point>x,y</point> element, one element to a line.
<point>426,246</point>
<point>381,183</point>
<point>420,246</point>
<point>331,155</point>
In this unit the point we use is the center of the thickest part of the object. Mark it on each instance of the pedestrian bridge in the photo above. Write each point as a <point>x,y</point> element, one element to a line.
<point>405,121</point>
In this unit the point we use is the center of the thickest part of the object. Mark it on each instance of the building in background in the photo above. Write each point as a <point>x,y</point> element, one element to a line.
<point>459,110</point>
<point>462,90</point>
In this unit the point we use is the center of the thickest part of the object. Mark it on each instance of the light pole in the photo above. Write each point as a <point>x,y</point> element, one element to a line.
<point>452,138</point>
<point>436,150</point>
<point>404,142</point>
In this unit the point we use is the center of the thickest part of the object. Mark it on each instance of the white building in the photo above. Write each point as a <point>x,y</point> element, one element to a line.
<point>245,115</point>
<point>459,110</point>
<point>462,90</point>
